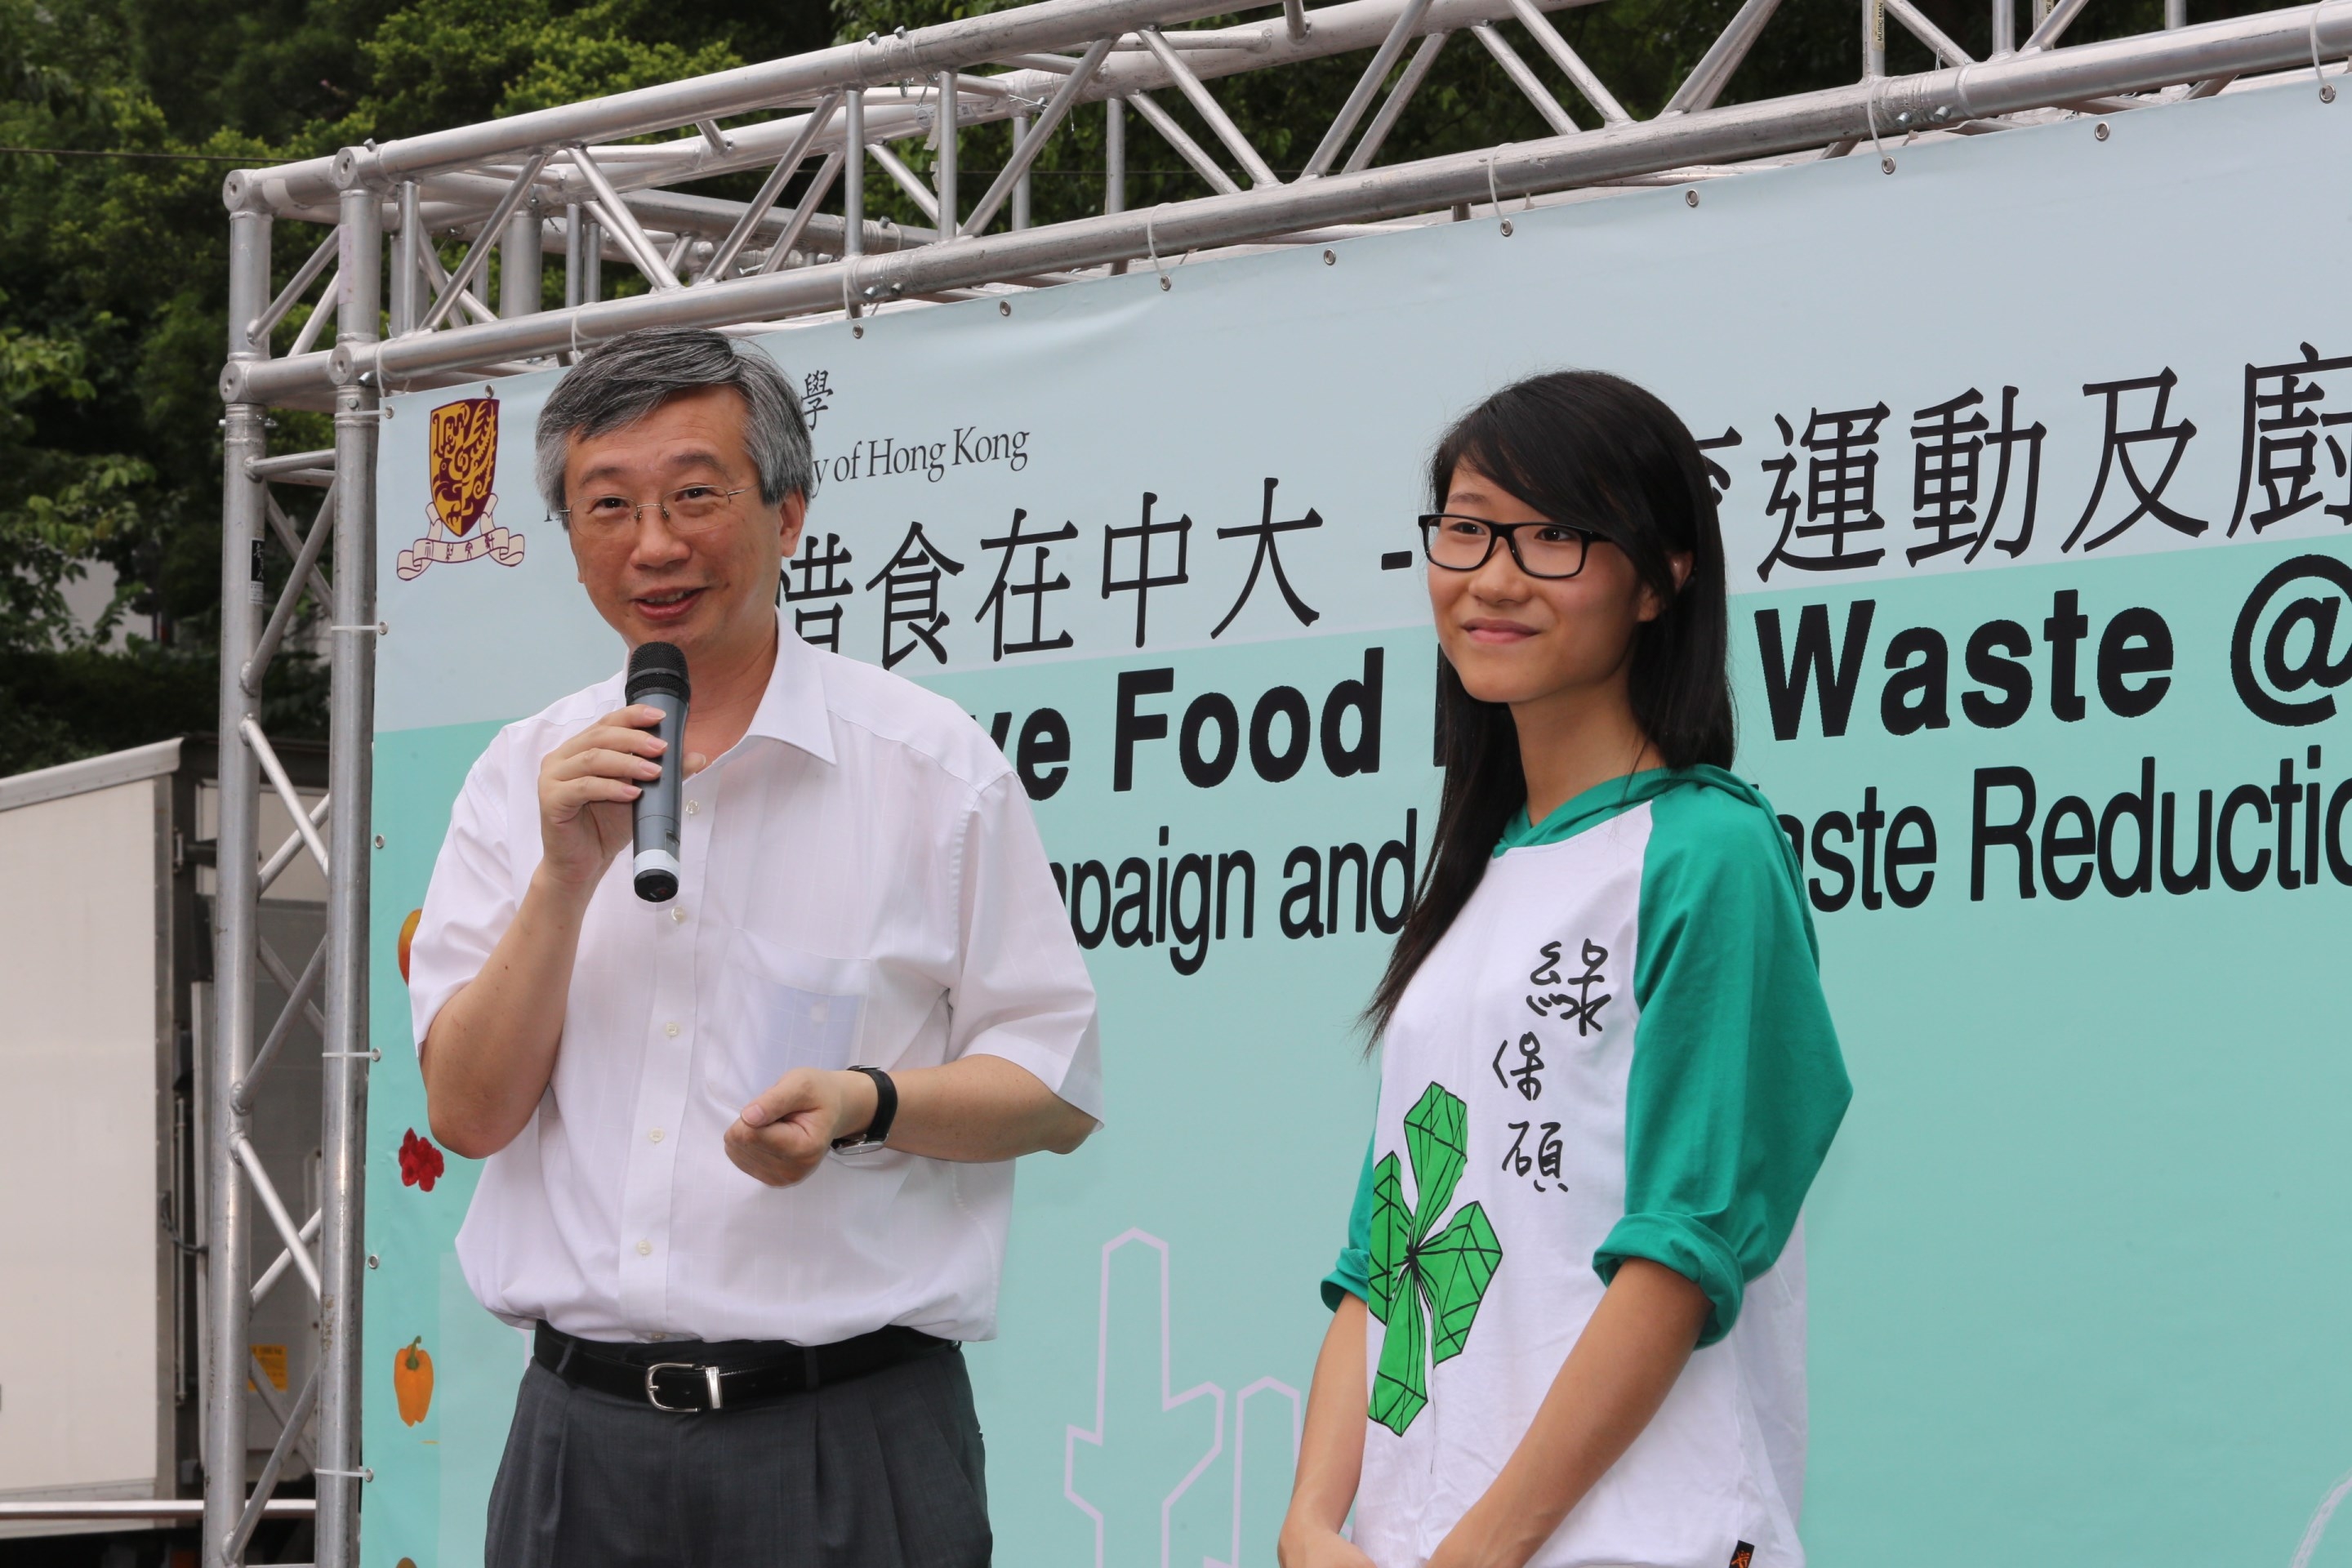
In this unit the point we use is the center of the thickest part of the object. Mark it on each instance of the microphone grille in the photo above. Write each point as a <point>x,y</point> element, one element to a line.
<point>656,666</point>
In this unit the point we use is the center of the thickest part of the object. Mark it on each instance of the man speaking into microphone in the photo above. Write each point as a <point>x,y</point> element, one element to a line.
<point>749,1147</point>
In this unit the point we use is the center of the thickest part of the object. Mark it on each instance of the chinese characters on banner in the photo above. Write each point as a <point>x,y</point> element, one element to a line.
<point>1838,489</point>
<point>1151,556</point>
<point>1976,465</point>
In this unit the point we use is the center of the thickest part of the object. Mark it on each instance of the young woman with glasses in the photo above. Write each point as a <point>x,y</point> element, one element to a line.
<point>1570,1316</point>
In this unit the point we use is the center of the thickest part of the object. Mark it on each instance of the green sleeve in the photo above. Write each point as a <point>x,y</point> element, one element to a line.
<point>1737,1085</point>
<point>1352,1275</point>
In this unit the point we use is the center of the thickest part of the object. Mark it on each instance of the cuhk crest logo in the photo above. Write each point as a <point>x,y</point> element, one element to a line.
<point>461,518</point>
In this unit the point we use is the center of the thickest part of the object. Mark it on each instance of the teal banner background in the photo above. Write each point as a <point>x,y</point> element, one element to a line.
<point>2079,1258</point>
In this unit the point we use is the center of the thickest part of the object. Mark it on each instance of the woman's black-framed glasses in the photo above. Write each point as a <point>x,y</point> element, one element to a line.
<point>1551,550</point>
<point>686,510</point>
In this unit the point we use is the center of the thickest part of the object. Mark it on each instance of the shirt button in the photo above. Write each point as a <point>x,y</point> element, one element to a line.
<point>691,808</point>
<point>644,1249</point>
<point>655,1136</point>
<point>678,914</point>
<point>670,1029</point>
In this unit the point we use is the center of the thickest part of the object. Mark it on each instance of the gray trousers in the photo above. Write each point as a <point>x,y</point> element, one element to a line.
<point>882,1471</point>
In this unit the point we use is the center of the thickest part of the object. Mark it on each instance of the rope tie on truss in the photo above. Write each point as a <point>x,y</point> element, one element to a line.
<point>898,243</point>
<point>1493,201</point>
<point>2326,89</point>
<point>1870,110</point>
<point>1152,248</point>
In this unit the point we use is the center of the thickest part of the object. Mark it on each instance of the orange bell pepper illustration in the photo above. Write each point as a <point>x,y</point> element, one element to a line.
<point>411,1380</point>
<point>408,935</point>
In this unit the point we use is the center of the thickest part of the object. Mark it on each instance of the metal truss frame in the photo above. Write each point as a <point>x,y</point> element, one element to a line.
<point>579,180</point>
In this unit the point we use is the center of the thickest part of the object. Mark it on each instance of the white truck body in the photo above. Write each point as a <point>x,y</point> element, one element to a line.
<point>105,947</point>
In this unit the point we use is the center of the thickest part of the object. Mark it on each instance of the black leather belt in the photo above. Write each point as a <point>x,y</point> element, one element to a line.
<point>695,1375</point>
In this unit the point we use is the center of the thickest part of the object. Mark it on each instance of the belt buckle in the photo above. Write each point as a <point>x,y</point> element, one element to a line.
<point>710,1376</point>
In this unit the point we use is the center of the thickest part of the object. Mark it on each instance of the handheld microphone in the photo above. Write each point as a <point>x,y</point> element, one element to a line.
<point>657,680</point>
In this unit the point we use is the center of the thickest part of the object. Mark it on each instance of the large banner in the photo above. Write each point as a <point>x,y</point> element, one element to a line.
<point>2036,467</point>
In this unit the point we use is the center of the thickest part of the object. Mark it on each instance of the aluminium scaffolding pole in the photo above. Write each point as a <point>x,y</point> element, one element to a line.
<point>237,1183</point>
<point>350,722</point>
<point>2030,80</point>
<point>236,906</point>
<point>459,195</point>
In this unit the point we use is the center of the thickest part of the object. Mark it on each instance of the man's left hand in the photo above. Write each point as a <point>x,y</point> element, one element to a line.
<point>783,1134</point>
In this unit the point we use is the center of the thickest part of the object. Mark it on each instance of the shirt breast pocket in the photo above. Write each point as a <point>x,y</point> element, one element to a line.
<point>793,1009</point>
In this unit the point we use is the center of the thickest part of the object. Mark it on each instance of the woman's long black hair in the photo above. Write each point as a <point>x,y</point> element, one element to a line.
<point>1596,450</point>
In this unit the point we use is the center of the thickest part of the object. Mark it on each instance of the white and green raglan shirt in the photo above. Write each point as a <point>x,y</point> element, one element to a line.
<point>1620,1049</point>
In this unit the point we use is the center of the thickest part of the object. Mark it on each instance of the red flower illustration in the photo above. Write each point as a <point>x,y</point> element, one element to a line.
<point>420,1163</point>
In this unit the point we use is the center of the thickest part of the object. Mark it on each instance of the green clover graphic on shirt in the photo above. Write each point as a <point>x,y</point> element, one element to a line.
<point>1426,1287</point>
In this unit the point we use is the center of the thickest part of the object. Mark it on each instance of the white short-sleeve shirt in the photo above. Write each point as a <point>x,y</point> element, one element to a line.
<point>862,884</point>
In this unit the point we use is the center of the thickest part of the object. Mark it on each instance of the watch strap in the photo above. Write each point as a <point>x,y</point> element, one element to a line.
<point>886,1110</point>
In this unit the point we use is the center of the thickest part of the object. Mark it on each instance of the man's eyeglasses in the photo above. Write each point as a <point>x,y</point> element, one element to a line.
<point>686,510</point>
<point>1552,550</point>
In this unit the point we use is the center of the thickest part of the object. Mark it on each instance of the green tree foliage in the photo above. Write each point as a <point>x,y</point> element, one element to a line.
<point>113,244</point>
<point>58,508</point>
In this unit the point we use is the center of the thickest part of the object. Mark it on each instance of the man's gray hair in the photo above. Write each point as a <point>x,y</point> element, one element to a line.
<point>619,383</point>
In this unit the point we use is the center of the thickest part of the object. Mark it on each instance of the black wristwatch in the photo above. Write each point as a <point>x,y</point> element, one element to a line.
<point>886,1110</point>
